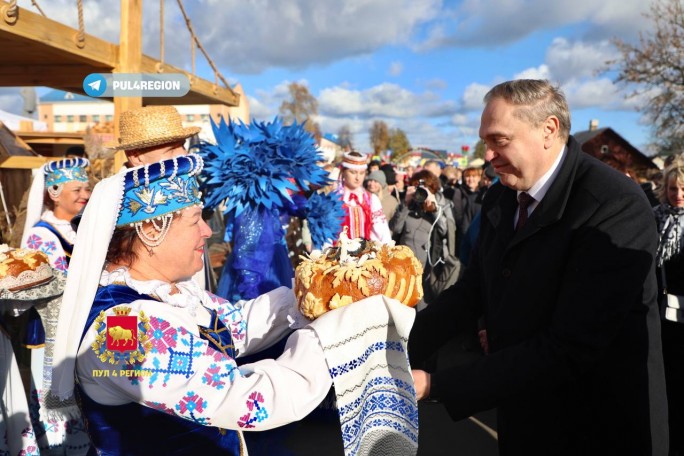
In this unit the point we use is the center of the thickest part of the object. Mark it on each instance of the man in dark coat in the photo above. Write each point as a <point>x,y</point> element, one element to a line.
<point>567,290</point>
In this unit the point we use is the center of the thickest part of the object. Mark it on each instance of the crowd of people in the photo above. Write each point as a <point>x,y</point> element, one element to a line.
<point>557,274</point>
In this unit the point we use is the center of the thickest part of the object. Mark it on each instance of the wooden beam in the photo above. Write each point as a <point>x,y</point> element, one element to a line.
<point>43,75</point>
<point>54,140</point>
<point>41,52</point>
<point>130,56</point>
<point>59,37</point>
<point>18,162</point>
<point>199,88</point>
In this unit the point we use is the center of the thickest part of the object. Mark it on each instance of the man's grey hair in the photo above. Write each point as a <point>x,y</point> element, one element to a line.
<point>537,99</point>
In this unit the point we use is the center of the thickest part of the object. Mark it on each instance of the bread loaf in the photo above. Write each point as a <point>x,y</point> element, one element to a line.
<point>354,270</point>
<point>23,268</point>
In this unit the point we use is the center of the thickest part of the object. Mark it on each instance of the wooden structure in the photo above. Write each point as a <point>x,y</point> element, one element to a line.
<point>16,161</point>
<point>38,51</point>
<point>52,144</point>
<point>607,145</point>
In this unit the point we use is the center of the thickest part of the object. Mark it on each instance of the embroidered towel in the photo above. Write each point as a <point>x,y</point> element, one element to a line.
<point>365,347</point>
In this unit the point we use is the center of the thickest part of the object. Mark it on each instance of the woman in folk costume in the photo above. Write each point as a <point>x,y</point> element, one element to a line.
<point>59,191</point>
<point>364,217</point>
<point>154,355</point>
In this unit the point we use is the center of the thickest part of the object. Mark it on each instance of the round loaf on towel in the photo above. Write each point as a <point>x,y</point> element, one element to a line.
<point>337,277</point>
<point>23,268</point>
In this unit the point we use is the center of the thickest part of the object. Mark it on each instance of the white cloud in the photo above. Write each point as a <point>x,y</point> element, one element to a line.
<point>426,119</point>
<point>473,95</point>
<point>248,37</point>
<point>568,60</point>
<point>436,84</point>
<point>395,69</point>
<point>259,110</point>
<point>599,93</point>
<point>492,22</point>
<point>461,120</point>
<point>540,72</point>
<point>383,100</point>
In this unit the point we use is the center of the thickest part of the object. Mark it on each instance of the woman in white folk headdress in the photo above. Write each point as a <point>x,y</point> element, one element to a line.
<point>57,195</point>
<point>154,355</point>
<point>59,191</point>
<point>151,354</point>
<point>364,217</point>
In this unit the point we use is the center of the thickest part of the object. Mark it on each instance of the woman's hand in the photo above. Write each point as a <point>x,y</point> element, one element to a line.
<point>421,382</point>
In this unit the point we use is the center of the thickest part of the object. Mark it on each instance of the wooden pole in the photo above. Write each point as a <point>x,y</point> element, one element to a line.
<point>130,58</point>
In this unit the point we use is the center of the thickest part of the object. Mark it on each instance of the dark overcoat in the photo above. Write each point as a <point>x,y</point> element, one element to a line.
<point>569,304</point>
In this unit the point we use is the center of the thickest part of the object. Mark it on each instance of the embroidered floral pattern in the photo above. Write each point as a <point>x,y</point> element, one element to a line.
<point>257,413</point>
<point>61,264</point>
<point>159,406</point>
<point>164,336</point>
<point>48,247</point>
<point>29,450</point>
<point>177,360</point>
<point>216,374</point>
<point>34,242</point>
<point>231,316</point>
<point>191,404</point>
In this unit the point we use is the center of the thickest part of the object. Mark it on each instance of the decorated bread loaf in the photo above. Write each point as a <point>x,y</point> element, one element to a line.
<point>356,269</point>
<point>23,268</point>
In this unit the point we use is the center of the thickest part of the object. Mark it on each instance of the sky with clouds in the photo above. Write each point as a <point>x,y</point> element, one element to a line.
<point>419,65</point>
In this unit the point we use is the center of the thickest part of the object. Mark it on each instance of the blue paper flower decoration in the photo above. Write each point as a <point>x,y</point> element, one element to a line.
<point>324,214</point>
<point>257,165</point>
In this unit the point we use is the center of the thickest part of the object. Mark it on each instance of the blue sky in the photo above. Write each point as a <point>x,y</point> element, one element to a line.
<point>419,65</point>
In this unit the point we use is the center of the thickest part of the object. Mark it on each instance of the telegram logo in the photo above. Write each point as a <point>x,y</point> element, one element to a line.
<point>95,85</point>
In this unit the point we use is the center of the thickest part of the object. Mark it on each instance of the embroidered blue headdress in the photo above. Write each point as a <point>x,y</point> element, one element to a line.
<point>154,191</point>
<point>66,170</point>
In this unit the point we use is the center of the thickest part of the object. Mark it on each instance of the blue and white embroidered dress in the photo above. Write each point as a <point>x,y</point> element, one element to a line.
<point>55,238</point>
<point>182,375</point>
<point>48,241</point>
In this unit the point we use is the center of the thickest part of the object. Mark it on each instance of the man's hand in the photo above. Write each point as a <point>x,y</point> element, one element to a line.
<point>410,191</point>
<point>421,381</point>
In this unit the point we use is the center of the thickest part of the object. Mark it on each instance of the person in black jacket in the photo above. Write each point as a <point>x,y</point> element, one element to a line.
<point>670,267</point>
<point>565,281</point>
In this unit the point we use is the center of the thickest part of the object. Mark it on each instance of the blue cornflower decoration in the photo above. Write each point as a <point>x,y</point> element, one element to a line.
<point>258,165</point>
<point>325,214</point>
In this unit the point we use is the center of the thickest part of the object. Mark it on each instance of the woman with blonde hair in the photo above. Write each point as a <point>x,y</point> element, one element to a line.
<point>670,265</point>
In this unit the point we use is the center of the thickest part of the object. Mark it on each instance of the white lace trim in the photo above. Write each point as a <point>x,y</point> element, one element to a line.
<point>27,278</point>
<point>189,298</point>
<point>63,226</point>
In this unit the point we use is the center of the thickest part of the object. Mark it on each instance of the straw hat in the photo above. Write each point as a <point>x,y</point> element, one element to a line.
<point>150,126</point>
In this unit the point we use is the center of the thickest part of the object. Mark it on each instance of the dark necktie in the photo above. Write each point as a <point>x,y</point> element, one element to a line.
<point>524,201</point>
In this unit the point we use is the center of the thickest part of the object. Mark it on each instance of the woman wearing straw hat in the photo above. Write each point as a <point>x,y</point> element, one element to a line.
<point>59,191</point>
<point>152,133</point>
